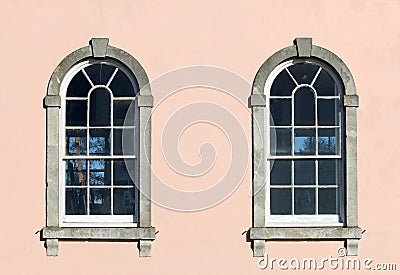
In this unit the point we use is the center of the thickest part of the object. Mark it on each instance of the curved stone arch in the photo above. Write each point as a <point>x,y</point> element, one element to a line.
<point>259,233</point>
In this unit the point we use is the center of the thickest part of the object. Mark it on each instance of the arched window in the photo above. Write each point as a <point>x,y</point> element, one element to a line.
<point>98,147</point>
<point>304,148</point>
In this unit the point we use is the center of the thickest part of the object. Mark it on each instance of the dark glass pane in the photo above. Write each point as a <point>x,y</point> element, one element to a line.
<point>121,86</point>
<point>304,73</point>
<point>281,172</point>
<point>76,114</point>
<point>304,107</point>
<point>328,112</point>
<point>304,201</point>
<point>282,142</point>
<point>75,172</point>
<point>281,112</point>
<point>128,135</point>
<point>328,172</point>
<point>121,174</point>
<point>75,142</point>
<point>75,201</point>
<point>100,109</point>
<point>79,86</point>
<point>283,85</point>
<point>99,142</point>
<point>124,201</point>
<point>99,74</point>
<point>325,85</point>
<point>281,201</point>
<point>120,111</point>
<point>327,201</point>
<point>100,172</point>
<point>304,141</point>
<point>327,141</point>
<point>100,201</point>
<point>304,172</point>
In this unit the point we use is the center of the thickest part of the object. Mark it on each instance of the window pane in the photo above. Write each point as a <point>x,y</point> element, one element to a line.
<point>327,201</point>
<point>75,142</point>
<point>304,73</point>
<point>304,107</point>
<point>281,172</point>
<point>121,175</point>
<point>283,85</point>
<point>327,141</point>
<point>100,172</point>
<point>120,110</point>
<point>100,201</point>
<point>304,201</point>
<point>99,142</point>
<point>75,201</point>
<point>129,136</point>
<point>121,86</point>
<point>281,112</point>
<point>328,112</point>
<point>75,172</point>
<point>76,113</point>
<point>281,201</point>
<point>304,172</point>
<point>328,172</point>
<point>124,201</point>
<point>79,86</point>
<point>99,74</point>
<point>100,108</point>
<point>325,85</point>
<point>283,142</point>
<point>304,141</point>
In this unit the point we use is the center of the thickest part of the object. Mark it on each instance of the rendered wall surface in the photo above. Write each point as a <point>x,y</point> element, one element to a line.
<point>167,35</point>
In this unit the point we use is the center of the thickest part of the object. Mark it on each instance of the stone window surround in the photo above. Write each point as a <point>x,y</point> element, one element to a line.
<point>52,233</point>
<point>350,232</point>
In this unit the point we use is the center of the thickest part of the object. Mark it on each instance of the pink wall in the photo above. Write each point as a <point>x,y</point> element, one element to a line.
<point>166,35</point>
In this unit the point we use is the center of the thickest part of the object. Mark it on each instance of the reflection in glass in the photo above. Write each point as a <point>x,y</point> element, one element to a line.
<point>124,201</point>
<point>327,201</point>
<point>100,201</point>
<point>121,175</point>
<point>281,201</point>
<point>120,111</point>
<point>122,86</point>
<point>75,201</point>
<point>128,136</point>
<point>304,141</point>
<point>283,85</point>
<point>304,107</point>
<point>99,142</point>
<point>75,142</point>
<point>304,73</point>
<point>304,172</point>
<point>99,74</point>
<point>281,172</point>
<point>100,172</point>
<point>327,141</point>
<point>328,112</point>
<point>75,172</point>
<point>100,108</point>
<point>328,172</point>
<point>325,85</point>
<point>79,86</point>
<point>76,113</point>
<point>304,201</point>
<point>283,141</point>
<point>281,112</point>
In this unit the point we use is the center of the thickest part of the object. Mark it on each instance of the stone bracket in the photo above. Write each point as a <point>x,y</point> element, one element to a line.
<point>351,101</point>
<point>304,46</point>
<point>145,100</point>
<point>51,247</point>
<point>52,101</point>
<point>99,47</point>
<point>257,100</point>
<point>352,247</point>
<point>144,248</point>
